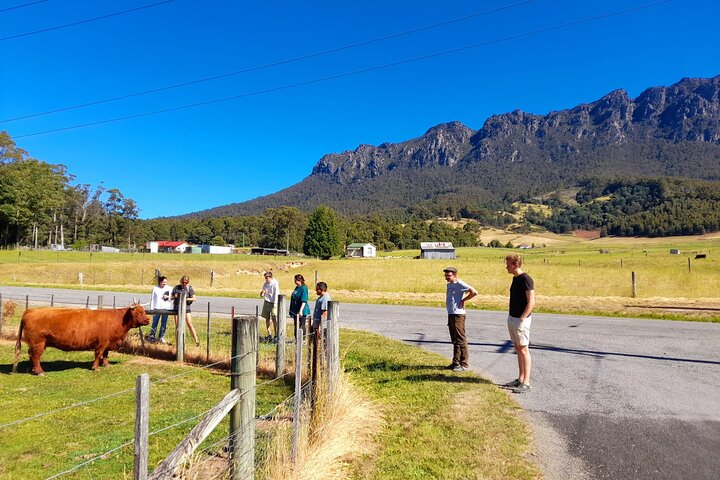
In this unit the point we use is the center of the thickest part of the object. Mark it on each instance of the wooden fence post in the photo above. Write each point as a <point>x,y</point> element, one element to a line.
<point>168,468</point>
<point>180,334</point>
<point>242,416</point>
<point>332,340</point>
<point>280,346</point>
<point>100,302</point>
<point>298,390</point>
<point>87,302</point>
<point>257,321</point>
<point>142,420</point>
<point>52,300</point>
<point>316,343</point>
<point>634,286</point>
<point>27,301</point>
<point>232,315</point>
<point>689,266</point>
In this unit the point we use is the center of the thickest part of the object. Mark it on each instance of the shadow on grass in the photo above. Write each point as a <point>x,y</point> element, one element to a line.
<point>448,378</point>
<point>25,366</point>
<point>414,374</point>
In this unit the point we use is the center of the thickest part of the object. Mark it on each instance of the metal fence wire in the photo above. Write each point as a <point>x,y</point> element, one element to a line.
<point>97,432</point>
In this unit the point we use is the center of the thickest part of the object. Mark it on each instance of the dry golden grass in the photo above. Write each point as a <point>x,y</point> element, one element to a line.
<point>343,428</point>
<point>571,274</point>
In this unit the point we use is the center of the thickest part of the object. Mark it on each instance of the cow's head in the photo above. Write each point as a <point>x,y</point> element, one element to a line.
<point>138,315</point>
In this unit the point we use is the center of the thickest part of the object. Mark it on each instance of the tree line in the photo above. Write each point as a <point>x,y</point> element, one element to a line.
<point>40,206</point>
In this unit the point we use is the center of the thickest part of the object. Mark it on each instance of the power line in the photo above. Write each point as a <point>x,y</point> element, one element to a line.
<point>354,72</point>
<point>271,64</point>
<point>88,20</point>
<point>21,6</point>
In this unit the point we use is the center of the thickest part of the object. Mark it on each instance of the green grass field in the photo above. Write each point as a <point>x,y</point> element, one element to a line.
<point>439,424</point>
<point>428,412</point>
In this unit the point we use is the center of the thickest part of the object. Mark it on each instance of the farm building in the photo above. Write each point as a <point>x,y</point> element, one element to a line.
<point>436,250</point>
<point>166,247</point>
<point>216,249</point>
<point>269,251</point>
<point>361,250</point>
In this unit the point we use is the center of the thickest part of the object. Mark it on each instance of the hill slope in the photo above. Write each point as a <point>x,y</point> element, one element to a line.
<point>665,132</point>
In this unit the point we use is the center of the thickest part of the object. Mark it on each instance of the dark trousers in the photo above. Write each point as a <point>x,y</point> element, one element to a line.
<point>303,323</point>
<point>456,325</point>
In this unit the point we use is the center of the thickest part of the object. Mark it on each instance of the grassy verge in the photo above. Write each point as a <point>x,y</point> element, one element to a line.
<point>438,424</point>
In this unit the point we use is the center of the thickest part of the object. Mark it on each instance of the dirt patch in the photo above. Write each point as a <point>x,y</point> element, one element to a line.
<point>587,234</point>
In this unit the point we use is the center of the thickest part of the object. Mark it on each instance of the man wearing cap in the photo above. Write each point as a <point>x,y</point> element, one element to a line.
<point>458,292</point>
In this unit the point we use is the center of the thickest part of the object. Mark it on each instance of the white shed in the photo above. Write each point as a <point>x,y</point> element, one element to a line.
<point>361,250</point>
<point>223,250</point>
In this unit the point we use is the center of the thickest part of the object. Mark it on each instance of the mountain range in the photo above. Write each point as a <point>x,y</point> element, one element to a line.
<point>665,132</point>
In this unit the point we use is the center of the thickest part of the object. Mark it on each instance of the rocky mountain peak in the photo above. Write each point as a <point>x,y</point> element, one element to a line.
<point>665,131</point>
<point>441,146</point>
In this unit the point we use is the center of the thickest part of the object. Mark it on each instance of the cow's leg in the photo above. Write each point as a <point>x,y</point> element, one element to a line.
<point>36,352</point>
<point>98,353</point>
<point>106,353</point>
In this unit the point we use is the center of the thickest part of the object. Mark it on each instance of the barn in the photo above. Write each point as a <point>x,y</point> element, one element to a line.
<point>437,250</point>
<point>166,247</point>
<point>363,250</point>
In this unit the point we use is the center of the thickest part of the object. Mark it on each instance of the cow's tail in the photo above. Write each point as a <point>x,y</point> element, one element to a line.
<point>18,345</point>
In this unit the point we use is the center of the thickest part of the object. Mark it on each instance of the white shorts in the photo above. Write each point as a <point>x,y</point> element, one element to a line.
<point>519,331</point>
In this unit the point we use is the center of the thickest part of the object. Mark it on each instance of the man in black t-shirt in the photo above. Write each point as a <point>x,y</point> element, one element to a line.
<point>522,301</point>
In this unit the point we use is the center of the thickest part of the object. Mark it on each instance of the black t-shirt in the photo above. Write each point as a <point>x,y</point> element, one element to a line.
<point>518,296</point>
<point>190,292</point>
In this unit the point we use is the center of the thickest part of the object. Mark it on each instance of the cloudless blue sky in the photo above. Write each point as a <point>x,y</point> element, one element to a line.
<point>230,151</point>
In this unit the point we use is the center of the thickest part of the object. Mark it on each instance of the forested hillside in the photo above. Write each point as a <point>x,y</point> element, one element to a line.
<point>646,207</point>
<point>665,132</point>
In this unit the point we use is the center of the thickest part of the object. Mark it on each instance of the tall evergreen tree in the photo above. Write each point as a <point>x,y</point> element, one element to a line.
<point>322,237</point>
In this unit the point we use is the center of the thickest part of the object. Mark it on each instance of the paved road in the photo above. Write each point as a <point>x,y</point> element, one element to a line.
<point>612,398</point>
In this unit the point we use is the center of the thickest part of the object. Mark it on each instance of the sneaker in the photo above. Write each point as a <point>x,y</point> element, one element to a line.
<point>460,368</point>
<point>450,367</point>
<point>522,388</point>
<point>150,339</point>
<point>163,341</point>
<point>514,384</point>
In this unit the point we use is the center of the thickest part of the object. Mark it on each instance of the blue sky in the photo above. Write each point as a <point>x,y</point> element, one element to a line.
<point>233,150</point>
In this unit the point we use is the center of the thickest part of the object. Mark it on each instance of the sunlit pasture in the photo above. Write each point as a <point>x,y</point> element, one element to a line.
<point>571,275</point>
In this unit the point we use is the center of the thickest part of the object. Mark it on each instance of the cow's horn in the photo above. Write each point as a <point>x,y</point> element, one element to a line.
<point>145,304</point>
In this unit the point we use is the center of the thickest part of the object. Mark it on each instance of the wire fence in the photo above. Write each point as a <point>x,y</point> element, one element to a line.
<point>92,437</point>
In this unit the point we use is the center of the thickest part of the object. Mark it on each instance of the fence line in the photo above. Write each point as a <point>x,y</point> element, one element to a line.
<point>105,397</point>
<point>55,300</point>
<point>92,460</point>
<point>324,353</point>
<point>126,444</point>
